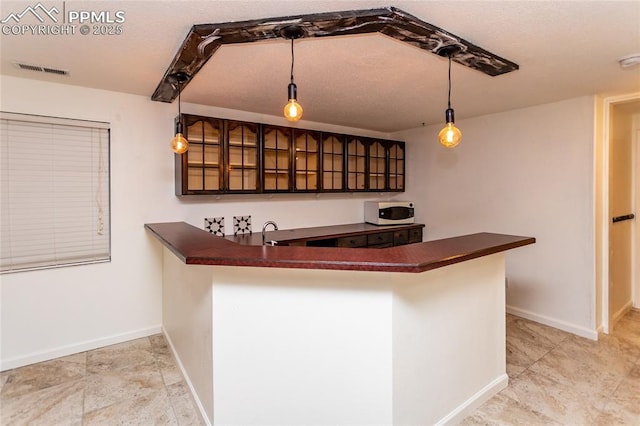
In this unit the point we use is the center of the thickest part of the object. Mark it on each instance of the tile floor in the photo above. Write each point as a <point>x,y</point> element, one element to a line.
<point>131,383</point>
<point>555,378</point>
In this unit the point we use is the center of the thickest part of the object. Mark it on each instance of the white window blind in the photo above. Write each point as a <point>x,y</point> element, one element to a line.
<point>54,192</point>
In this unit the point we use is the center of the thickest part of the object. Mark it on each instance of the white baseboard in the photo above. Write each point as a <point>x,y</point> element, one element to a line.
<point>479,398</point>
<point>552,322</point>
<point>32,358</point>
<point>620,313</point>
<point>194,395</point>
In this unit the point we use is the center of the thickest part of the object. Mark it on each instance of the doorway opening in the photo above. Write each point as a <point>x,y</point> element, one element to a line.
<point>617,164</point>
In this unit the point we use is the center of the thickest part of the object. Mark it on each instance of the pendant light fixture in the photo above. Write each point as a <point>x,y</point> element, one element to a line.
<point>450,135</point>
<point>292,110</point>
<point>179,144</point>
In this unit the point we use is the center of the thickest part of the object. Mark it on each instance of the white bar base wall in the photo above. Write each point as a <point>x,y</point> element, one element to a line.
<point>449,340</point>
<point>273,346</point>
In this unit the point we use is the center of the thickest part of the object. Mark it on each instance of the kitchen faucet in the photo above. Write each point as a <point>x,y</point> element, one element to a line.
<point>264,228</point>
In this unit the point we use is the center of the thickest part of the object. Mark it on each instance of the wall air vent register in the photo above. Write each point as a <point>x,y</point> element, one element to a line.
<point>39,68</point>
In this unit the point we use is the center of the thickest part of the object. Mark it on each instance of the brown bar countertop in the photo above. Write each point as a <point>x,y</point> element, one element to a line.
<point>195,246</point>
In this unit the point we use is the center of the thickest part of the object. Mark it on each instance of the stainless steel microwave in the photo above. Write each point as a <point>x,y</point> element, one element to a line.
<point>388,212</point>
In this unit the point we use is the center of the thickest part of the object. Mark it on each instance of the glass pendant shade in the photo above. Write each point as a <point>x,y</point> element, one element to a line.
<point>292,110</point>
<point>179,144</point>
<point>450,135</point>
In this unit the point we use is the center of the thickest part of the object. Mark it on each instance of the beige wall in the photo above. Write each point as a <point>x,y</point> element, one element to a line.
<point>524,172</point>
<point>54,312</point>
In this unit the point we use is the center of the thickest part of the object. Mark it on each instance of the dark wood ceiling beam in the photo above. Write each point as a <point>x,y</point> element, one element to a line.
<point>205,39</point>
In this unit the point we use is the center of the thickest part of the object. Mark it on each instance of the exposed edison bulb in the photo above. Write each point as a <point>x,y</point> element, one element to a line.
<point>179,144</point>
<point>450,135</point>
<point>292,110</point>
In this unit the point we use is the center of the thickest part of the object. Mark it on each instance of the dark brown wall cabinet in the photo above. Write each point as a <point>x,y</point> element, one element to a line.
<point>227,156</point>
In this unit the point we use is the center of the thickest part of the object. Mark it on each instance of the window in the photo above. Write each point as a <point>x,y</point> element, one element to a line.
<point>54,192</point>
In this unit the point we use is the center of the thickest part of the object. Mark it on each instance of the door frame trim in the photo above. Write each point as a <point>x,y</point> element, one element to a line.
<point>602,211</point>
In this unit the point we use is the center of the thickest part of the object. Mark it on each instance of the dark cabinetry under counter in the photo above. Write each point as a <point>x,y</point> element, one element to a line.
<point>381,240</point>
<point>357,235</point>
<point>407,236</point>
<point>353,241</point>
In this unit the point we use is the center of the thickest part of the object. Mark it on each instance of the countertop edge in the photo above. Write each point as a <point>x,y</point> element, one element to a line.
<point>195,246</point>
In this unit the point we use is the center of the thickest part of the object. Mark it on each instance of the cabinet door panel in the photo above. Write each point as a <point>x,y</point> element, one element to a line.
<point>376,182</point>
<point>194,154</point>
<point>211,155</point>
<point>307,160</point>
<point>242,179</point>
<point>283,160</point>
<point>401,237</point>
<point>377,165</point>
<point>337,164</point>
<point>277,147</point>
<point>380,238</point>
<point>306,182</point>
<point>270,160</point>
<point>353,241</point>
<point>211,179</point>
<point>282,180</point>
<point>356,163</point>
<point>356,182</point>
<point>415,235</point>
<point>396,165</point>
<point>332,162</point>
<point>396,182</point>
<point>204,135</point>
<point>195,182</point>
<point>241,158</point>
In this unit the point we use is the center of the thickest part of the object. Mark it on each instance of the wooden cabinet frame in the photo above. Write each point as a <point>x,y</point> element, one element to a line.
<point>231,156</point>
<point>242,160</point>
<point>277,158</point>
<point>332,162</point>
<point>306,160</point>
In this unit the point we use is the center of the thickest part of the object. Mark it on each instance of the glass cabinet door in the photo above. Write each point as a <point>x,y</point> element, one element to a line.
<point>356,164</point>
<point>332,162</point>
<point>396,166</point>
<point>377,166</point>
<point>229,156</point>
<point>241,156</point>
<point>307,159</point>
<point>202,162</point>
<point>276,161</point>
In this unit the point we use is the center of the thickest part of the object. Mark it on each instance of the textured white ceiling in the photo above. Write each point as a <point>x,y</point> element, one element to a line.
<point>564,49</point>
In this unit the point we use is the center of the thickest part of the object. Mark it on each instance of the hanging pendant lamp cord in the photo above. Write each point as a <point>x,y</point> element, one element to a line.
<point>292,59</point>
<point>449,95</point>
<point>179,92</point>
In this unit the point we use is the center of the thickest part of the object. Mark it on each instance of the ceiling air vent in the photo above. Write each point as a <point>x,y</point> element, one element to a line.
<point>55,71</point>
<point>39,68</point>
